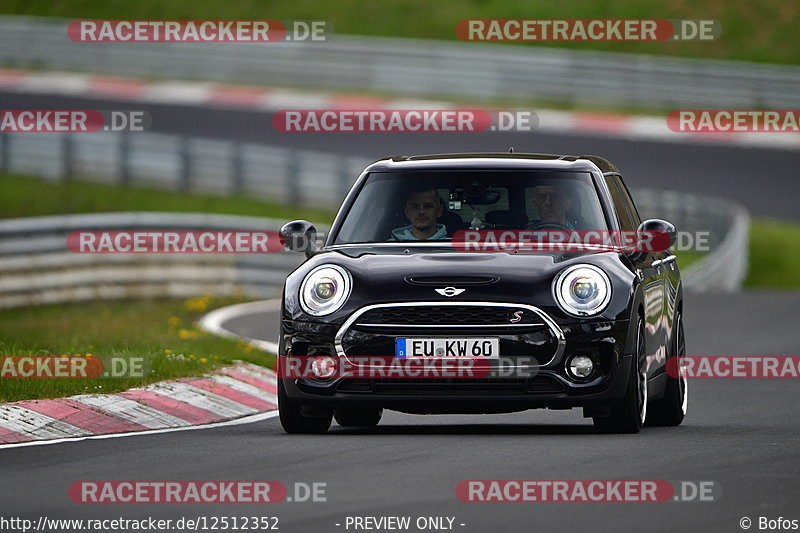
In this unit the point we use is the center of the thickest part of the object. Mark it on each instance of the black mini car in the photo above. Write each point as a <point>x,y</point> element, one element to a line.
<point>425,261</point>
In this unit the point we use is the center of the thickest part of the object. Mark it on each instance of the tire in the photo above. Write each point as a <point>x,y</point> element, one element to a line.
<point>292,418</point>
<point>671,409</point>
<point>358,416</point>
<point>629,414</point>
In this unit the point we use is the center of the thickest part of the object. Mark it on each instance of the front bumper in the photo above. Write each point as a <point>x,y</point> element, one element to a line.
<point>539,380</point>
<point>545,389</point>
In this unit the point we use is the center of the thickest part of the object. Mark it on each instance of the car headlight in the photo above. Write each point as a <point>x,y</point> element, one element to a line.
<point>325,289</point>
<point>582,290</point>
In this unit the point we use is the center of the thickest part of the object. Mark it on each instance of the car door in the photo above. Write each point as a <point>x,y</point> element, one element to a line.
<point>650,270</point>
<point>668,266</point>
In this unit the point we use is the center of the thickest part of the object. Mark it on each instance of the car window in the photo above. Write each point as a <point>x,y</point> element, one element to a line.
<point>626,197</point>
<point>396,206</point>
<point>626,212</point>
<point>583,210</point>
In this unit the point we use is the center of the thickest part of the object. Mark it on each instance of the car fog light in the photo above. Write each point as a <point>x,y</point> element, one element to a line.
<point>581,367</point>
<point>323,366</point>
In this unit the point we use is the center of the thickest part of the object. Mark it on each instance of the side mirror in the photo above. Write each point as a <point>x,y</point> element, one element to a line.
<point>655,235</point>
<point>299,236</point>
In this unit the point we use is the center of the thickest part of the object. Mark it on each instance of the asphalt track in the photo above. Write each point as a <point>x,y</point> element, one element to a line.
<point>765,181</point>
<point>741,434</point>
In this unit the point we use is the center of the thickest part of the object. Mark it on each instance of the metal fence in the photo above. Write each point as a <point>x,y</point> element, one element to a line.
<point>728,226</point>
<point>418,68</point>
<point>36,267</point>
<point>294,177</point>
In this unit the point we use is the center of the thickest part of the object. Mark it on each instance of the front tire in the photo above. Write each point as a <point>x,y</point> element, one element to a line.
<point>292,418</point>
<point>671,409</point>
<point>629,414</point>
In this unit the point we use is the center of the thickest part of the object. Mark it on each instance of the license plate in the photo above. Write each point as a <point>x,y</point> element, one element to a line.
<point>447,347</point>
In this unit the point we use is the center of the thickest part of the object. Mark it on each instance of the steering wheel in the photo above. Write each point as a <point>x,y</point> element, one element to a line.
<point>549,225</point>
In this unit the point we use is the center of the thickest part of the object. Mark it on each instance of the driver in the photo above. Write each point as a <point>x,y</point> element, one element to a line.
<point>423,208</point>
<point>552,203</point>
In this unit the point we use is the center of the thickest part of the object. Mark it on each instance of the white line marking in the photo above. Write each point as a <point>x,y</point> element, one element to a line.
<point>55,82</point>
<point>212,322</point>
<point>178,91</point>
<point>243,420</point>
<point>36,425</point>
<point>132,411</point>
<point>282,99</point>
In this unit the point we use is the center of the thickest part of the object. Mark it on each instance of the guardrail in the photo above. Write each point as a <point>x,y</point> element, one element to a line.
<point>418,68</point>
<point>37,268</point>
<point>294,177</point>
<point>724,267</point>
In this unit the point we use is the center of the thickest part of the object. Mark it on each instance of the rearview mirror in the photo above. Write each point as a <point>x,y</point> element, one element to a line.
<point>655,235</point>
<point>299,236</point>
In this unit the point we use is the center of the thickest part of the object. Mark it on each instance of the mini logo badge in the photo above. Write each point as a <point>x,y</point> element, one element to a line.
<point>450,291</point>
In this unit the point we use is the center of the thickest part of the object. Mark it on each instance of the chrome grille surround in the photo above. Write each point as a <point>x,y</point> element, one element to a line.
<point>546,320</point>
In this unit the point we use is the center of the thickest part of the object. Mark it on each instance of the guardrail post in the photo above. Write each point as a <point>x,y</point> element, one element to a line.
<point>124,159</point>
<point>67,150</point>
<point>185,164</point>
<point>237,168</point>
<point>294,197</point>
<point>5,150</point>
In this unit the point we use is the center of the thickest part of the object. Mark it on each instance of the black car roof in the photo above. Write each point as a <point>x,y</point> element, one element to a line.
<point>503,160</point>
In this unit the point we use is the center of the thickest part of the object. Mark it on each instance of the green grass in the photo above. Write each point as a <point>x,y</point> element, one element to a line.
<point>25,197</point>
<point>687,257</point>
<point>763,31</point>
<point>162,332</point>
<point>774,254</point>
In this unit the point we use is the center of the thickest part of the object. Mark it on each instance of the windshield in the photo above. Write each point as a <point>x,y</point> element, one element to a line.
<point>432,206</point>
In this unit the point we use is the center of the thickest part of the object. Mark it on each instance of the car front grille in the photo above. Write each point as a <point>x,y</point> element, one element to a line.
<point>523,330</point>
<point>435,315</point>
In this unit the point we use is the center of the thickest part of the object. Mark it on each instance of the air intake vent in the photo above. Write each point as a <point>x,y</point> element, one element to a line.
<point>451,280</point>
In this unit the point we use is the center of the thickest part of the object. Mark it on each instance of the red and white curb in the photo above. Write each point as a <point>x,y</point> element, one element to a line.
<point>220,95</point>
<point>236,394</point>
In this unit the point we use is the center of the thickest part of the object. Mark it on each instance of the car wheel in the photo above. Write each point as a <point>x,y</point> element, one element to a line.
<point>670,410</point>
<point>629,414</point>
<point>292,418</point>
<point>358,416</point>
